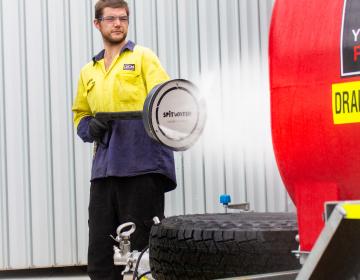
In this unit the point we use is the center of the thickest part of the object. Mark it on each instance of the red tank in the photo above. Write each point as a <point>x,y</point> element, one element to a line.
<point>314,52</point>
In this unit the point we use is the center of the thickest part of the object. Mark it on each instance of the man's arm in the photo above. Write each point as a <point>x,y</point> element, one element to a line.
<point>82,112</point>
<point>152,70</point>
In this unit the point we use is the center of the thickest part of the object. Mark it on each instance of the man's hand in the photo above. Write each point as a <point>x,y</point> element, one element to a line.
<point>97,129</point>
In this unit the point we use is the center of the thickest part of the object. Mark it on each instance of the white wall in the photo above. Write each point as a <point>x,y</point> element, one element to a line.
<point>44,167</point>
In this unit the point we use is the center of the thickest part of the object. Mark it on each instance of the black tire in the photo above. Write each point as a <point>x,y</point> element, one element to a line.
<point>214,246</point>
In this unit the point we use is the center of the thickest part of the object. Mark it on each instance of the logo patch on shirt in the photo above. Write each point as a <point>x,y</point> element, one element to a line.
<point>129,67</point>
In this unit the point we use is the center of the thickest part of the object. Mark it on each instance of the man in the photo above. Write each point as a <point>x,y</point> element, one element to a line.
<point>130,171</point>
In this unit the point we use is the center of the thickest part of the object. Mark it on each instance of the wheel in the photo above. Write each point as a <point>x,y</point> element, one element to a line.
<point>213,246</point>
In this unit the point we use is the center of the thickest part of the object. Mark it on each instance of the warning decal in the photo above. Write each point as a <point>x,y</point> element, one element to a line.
<point>346,102</point>
<point>350,39</point>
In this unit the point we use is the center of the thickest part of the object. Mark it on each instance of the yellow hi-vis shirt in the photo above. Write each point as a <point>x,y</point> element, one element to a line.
<point>123,87</point>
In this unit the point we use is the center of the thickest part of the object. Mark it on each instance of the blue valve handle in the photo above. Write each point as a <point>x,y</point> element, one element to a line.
<point>225,199</point>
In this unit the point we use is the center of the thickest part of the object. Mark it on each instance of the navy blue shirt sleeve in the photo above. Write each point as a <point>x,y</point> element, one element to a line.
<point>83,130</point>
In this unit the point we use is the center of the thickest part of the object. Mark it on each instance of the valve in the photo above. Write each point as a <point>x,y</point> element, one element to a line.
<point>122,254</point>
<point>225,199</point>
<point>135,261</point>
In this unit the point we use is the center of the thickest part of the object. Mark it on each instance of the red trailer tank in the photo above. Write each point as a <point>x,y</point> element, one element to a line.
<point>314,53</point>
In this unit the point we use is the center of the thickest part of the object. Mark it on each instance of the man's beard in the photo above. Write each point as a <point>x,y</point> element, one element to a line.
<point>114,41</point>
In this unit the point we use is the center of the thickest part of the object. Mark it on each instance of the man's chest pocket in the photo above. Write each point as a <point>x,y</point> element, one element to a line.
<point>129,86</point>
<point>128,78</point>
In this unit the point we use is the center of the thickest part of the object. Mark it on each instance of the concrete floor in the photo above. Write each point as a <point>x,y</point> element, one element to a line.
<point>76,273</point>
<point>69,277</point>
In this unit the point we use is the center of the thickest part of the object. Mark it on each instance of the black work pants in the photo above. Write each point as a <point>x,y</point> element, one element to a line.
<point>114,201</point>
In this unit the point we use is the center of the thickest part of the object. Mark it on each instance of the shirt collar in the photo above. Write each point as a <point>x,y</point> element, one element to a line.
<point>130,45</point>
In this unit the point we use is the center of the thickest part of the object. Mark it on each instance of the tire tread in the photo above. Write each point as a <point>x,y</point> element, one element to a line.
<point>213,246</point>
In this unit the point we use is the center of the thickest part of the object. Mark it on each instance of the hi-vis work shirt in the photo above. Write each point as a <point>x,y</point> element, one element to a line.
<point>123,87</point>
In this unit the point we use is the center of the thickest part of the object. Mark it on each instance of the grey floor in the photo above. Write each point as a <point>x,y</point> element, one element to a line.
<point>76,273</point>
<point>48,277</point>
